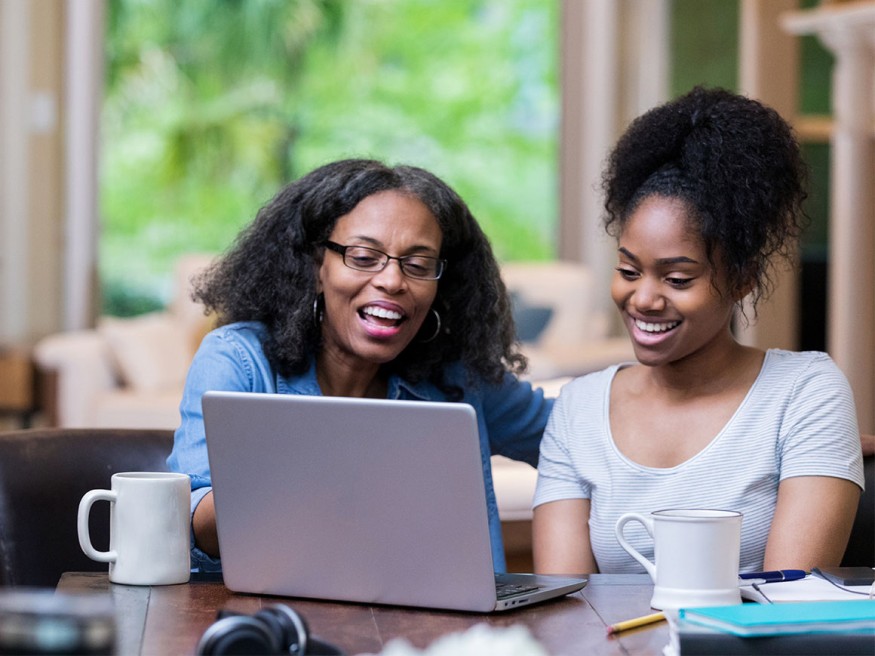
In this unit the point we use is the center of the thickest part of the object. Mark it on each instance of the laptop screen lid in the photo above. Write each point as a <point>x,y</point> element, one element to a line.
<point>363,500</point>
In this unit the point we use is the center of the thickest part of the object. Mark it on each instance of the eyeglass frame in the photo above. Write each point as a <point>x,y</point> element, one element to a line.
<point>341,249</point>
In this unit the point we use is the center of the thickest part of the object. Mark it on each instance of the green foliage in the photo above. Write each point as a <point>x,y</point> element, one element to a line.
<point>815,240</point>
<point>704,44</point>
<point>816,77</point>
<point>212,105</point>
<point>126,301</point>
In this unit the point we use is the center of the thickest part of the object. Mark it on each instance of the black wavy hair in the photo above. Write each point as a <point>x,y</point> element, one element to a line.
<point>269,275</point>
<point>737,166</point>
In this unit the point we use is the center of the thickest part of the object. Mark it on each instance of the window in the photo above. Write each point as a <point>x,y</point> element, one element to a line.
<point>212,105</point>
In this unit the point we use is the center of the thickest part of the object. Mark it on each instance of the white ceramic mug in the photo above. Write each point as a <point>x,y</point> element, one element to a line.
<point>148,529</point>
<point>697,556</point>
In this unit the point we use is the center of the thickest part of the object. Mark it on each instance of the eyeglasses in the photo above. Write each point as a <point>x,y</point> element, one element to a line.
<point>362,258</point>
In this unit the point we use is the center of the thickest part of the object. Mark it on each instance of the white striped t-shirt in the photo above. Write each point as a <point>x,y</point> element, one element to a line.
<point>798,419</point>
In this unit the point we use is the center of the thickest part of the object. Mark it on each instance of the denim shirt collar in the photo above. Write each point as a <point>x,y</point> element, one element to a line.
<point>307,384</point>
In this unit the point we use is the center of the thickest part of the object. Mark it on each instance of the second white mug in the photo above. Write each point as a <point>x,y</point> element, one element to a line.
<point>697,556</point>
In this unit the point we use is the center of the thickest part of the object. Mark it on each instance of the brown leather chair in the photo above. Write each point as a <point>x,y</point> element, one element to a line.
<point>861,545</point>
<point>43,475</point>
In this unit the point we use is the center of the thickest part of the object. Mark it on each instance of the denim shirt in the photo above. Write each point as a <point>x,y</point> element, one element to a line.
<point>511,416</point>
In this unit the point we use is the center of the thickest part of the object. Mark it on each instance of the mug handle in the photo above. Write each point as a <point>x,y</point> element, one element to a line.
<point>82,525</point>
<point>647,523</point>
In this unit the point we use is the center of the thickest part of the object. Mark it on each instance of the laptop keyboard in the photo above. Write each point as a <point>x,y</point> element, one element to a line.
<point>503,590</point>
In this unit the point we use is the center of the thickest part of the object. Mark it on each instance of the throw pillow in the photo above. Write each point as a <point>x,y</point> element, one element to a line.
<point>530,319</point>
<point>151,351</point>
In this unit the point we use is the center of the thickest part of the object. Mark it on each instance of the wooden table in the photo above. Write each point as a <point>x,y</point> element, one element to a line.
<point>171,619</point>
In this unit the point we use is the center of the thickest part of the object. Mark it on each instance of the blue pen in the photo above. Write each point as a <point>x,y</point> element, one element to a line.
<point>773,577</point>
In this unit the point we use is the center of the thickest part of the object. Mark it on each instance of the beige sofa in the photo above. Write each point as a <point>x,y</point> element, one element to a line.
<point>129,373</point>
<point>576,339</point>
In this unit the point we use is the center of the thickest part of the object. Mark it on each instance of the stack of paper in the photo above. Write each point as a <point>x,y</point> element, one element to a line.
<point>811,588</point>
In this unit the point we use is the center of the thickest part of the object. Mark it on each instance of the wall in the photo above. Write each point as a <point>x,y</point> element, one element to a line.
<point>31,168</point>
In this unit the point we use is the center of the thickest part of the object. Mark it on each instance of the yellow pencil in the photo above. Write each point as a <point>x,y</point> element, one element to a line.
<point>634,624</point>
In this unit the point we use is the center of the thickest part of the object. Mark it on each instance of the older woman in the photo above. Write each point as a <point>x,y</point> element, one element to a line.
<point>361,280</point>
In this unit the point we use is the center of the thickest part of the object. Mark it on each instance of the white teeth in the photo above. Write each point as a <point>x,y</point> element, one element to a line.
<point>382,313</point>
<point>655,327</point>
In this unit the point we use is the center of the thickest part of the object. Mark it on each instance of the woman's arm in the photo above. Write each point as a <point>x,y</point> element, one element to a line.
<point>231,359</point>
<point>868,444</point>
<point>203,524</point>
<point>515,415</point>
<point>821,470</point>
<point>560,532</point>
<point>812,522</point>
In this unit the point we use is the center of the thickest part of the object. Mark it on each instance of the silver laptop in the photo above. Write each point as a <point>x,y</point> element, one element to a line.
<point>358,500</point>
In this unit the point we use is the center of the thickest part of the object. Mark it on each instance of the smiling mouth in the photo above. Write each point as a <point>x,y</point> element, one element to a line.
<point>650,327</point>
<point>381,316</point>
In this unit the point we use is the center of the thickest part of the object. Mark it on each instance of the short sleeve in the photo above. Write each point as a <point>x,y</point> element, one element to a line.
<point>558,478</point>
<point>819,434</point>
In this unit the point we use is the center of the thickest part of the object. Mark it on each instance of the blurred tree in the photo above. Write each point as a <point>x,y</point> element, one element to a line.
<point>467,89</point>
<point>211,105</point>
<point>199,118</point>
<point>222,61</point>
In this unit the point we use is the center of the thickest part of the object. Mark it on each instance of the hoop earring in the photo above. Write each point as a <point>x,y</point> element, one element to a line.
<point>437,329</point>
<point>318,309</point>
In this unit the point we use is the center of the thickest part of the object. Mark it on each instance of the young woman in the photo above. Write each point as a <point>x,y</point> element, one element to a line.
<point>702,195</point>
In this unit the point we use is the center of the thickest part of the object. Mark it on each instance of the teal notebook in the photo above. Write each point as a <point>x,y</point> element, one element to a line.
<point>786,618</point>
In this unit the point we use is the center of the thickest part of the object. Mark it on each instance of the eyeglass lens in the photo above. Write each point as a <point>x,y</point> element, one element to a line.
<point>363,258</point>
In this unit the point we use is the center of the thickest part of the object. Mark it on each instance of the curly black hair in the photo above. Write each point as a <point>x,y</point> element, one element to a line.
<point>737,166</point>
<point>269,275</point>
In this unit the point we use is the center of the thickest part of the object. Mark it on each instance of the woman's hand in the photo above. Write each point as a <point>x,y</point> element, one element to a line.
<point>868,444</point>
